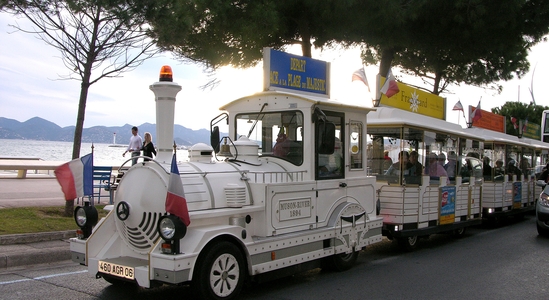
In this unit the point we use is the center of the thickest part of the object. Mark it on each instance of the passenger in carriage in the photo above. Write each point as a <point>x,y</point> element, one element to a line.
<point>434,168</point>
<point>282,146</point>
<point>450,167</point>
<point>387,161</point>
<point>417,167</point>
<point>486,168</point>
<point>513,170</point>
<point>499,171</point>
<point>403,160</point>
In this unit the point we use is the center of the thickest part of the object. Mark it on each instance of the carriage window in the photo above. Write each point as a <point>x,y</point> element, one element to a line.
<point>396,154</point>
<point>277,134</point>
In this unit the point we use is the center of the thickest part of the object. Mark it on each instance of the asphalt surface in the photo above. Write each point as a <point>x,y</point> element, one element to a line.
<point>17,250</point>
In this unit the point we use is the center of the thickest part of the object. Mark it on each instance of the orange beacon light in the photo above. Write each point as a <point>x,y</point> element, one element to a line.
<point>166,74</point>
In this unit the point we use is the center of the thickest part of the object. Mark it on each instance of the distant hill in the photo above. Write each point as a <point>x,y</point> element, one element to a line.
<point>44,130</point>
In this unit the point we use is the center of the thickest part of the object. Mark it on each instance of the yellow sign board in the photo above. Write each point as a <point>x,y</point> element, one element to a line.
<point>415,100</point>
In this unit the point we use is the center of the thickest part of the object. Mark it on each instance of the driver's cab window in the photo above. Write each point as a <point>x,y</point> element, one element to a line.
<point>330,165</point>
<point>278,134</point>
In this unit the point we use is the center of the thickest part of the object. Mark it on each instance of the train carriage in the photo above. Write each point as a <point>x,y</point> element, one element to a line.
<point>429,174</point>
<point>509,184</point>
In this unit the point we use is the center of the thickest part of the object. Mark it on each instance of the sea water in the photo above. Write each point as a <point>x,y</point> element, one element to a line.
<point>103,154</point>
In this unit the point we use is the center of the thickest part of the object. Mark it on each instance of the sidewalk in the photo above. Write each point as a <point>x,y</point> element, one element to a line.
<point>36,248</point>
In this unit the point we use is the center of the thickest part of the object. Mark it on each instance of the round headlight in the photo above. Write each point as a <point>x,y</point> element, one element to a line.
<point>86,216</point>
<point>80,216</point>
<point>170,227</point>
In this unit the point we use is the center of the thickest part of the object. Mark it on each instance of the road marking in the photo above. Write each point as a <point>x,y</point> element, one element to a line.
<point>41,277</point>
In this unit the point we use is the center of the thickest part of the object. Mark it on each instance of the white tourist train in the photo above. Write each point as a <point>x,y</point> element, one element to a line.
<point>298,182</point>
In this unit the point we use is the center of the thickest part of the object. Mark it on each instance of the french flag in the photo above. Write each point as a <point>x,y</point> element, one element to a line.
<point>390,87</point>
<point>76,177</point>
<point>175,199</point>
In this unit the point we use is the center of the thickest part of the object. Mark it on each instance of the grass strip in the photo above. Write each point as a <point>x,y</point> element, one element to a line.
<point>38,219</point>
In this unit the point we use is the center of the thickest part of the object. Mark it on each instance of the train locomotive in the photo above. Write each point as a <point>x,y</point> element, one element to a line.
<point>285,190</point>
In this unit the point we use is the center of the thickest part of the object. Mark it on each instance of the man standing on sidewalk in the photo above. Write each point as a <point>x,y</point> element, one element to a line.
<point>135,145</point>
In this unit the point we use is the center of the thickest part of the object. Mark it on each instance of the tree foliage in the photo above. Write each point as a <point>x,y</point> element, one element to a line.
<point>219,33</point>
<point>473,42</point>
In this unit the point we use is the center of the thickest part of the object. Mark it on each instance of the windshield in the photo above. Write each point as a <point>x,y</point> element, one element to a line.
<point>278,134</point>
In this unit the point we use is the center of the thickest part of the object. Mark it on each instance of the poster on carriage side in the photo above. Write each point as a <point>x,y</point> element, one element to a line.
<point>447,205</point>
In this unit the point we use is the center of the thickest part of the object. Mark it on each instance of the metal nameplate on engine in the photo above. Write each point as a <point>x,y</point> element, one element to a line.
<point>294,209</point>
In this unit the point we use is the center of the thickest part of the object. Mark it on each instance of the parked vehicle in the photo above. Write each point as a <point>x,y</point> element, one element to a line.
<point>542,210</point>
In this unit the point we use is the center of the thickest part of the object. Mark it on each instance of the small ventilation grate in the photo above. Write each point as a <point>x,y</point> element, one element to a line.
<point>145,235</point>
<point>235,195</point>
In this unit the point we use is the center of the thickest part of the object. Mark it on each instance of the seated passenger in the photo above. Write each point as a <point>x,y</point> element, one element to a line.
<point>387,161</point>
<point>486,168</point>
<point>402,163</point>
<point>282,146</point>
<point>513,170</point>
<point>451,165</point>
<point>417,167</point>
<point>434,169</point>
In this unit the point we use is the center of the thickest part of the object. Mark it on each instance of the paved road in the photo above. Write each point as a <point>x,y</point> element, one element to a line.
<point>507,262</point>
<point>30,192</point>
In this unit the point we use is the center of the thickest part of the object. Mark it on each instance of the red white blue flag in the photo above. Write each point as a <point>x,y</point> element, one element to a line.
<point>476,115</point>
<point>361,75</point>
<point>76,177</point>
<point>390,87</point>
<point>458,106</point>
<point>514,122</point>
<point>176,204</point>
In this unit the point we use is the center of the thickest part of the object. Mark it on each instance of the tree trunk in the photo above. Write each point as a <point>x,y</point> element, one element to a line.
<point>69,205</point>
<point>387,56</point>
<point>436,84</point>
<point>69,208</point>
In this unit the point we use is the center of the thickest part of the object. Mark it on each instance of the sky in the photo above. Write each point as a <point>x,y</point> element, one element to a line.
<point>31,86</point>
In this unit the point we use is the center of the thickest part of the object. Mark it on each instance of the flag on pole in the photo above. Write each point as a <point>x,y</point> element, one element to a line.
<point>361,75</point>
<point>76,177</point>
<point>524,125</point>
<point>458,106</point>
<point>476,115</point>
<point>176,204</point>
<point>514,122</point>
<point>390,87</point>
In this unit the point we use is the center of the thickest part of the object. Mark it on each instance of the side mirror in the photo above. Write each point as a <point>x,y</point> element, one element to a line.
<point>325,137</point>
<point>214,139</point>
<point>540,183</point>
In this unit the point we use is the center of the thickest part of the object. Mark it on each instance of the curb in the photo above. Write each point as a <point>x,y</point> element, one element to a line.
<point>26,238</point>
<point>18,250</point>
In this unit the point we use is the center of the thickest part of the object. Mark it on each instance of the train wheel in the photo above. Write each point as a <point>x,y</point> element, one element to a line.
<point>221,273</point>
<point>460,232</point>
<point>542,231</point>
<point>341,262</point>
<point>408,243</point>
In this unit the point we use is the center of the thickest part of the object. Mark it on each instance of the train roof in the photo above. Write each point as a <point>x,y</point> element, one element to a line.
<point>305,101</point>
<point>393,116</point>
<point>494,136</point>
